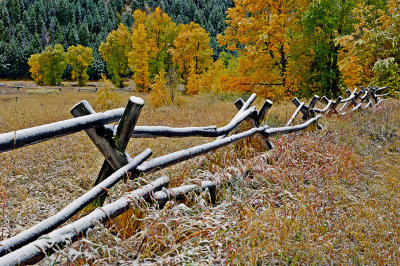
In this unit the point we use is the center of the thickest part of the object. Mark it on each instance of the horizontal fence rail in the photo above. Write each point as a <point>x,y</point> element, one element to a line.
<point>32,245</point>
<point>29,136</point>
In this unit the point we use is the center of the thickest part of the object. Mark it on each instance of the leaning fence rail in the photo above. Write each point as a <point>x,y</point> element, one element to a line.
<point>33,244</point>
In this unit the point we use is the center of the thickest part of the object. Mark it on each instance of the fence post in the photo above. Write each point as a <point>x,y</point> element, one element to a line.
<point>307,111</point>
<point>112,147</point>
<point>256,119</point>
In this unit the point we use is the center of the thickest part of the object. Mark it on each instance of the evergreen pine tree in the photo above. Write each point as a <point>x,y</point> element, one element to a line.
<point>84,34</point>
<point>73,37</point>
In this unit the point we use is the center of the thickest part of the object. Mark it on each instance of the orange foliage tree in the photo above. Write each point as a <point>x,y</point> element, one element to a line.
<point>371,53</point>
<point>262,33</point>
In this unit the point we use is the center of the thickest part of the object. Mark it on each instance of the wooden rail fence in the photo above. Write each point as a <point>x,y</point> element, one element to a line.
<point>34,244</point>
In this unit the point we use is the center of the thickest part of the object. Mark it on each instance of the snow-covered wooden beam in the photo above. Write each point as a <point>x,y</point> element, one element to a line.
<point>369,104</point>
<point>326,108</point>
<point>306,110</point>
<point>245,108</point>
<point>104,142</point>
<point>365,97</point>
<point>29,136</point>
<point>352,99</point>
<point>161,162</point>
<point>174,132</point>
<point>313,101</point>
<point>377,89</point>
<point>290,129</point>
<point>295,114</point>
<point>46,245</point>
<point>355,108</point>
<point>373,95</point>
<point>264,110</point>
<point>383,95</point>
<point>211,131</point>
<point>380,101</point>
<point>180,193</point>
<point>51,223</point>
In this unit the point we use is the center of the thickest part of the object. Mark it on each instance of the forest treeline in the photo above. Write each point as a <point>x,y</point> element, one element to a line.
<point>28,26</point>
<point>277,48</point>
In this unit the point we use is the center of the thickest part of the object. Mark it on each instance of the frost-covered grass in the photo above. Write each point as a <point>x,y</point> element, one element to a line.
<point>326,197</point>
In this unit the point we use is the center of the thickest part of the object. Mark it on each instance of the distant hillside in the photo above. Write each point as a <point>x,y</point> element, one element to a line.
<point>27,26</point>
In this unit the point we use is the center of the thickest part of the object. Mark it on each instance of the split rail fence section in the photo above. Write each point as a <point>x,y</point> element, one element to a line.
<point>34,244</point>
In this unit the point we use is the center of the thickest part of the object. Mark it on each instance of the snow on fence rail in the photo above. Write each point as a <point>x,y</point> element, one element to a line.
<point>32,245</point>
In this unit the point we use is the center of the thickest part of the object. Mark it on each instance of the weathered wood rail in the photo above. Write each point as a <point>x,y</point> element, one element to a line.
<point>33,244</point>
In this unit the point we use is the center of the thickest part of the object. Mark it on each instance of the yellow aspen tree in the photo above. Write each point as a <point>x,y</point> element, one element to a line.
<point>193,85</point>
<point>159,94</point>
<point>139,58</point>
<point>35,69</point>
<point>261,32</point>
<point>161,32</point>
<point>192,47</point>
<point>48,66</point>
<point>80,57</point>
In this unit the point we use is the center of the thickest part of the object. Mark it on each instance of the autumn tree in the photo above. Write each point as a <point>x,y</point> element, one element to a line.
<point>163,89</point>
<point>80,57</point>
<point>262,33</point>
<point>159,91</point>
<point>371,54</point>
<point>35,69</point>
<point>161,33</point>
<point>221,76</point>
<point>139,58</point>
<point>48,66</point>
<point>115,52</point>
<point>192,49</point>
<point>193,84</point>
<point>152,37</point>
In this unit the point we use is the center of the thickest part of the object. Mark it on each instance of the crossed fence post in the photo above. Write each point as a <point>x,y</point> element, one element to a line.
<point>256,119</point>
<point>307,110</point>
<point>110,145</point>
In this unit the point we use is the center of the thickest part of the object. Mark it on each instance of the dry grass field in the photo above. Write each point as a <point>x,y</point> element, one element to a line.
<point>320,197</point>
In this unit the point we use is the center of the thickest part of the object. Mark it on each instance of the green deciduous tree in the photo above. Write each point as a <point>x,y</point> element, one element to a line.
<point>371,54</point>
<point>324,21</point>
<point>48,66</point>
<point>115,53</point>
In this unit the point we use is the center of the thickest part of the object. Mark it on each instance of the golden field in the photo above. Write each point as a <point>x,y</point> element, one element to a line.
<point>320,197</point>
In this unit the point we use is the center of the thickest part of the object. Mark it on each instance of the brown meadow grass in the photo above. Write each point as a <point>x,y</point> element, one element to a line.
<point>320,197</point>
